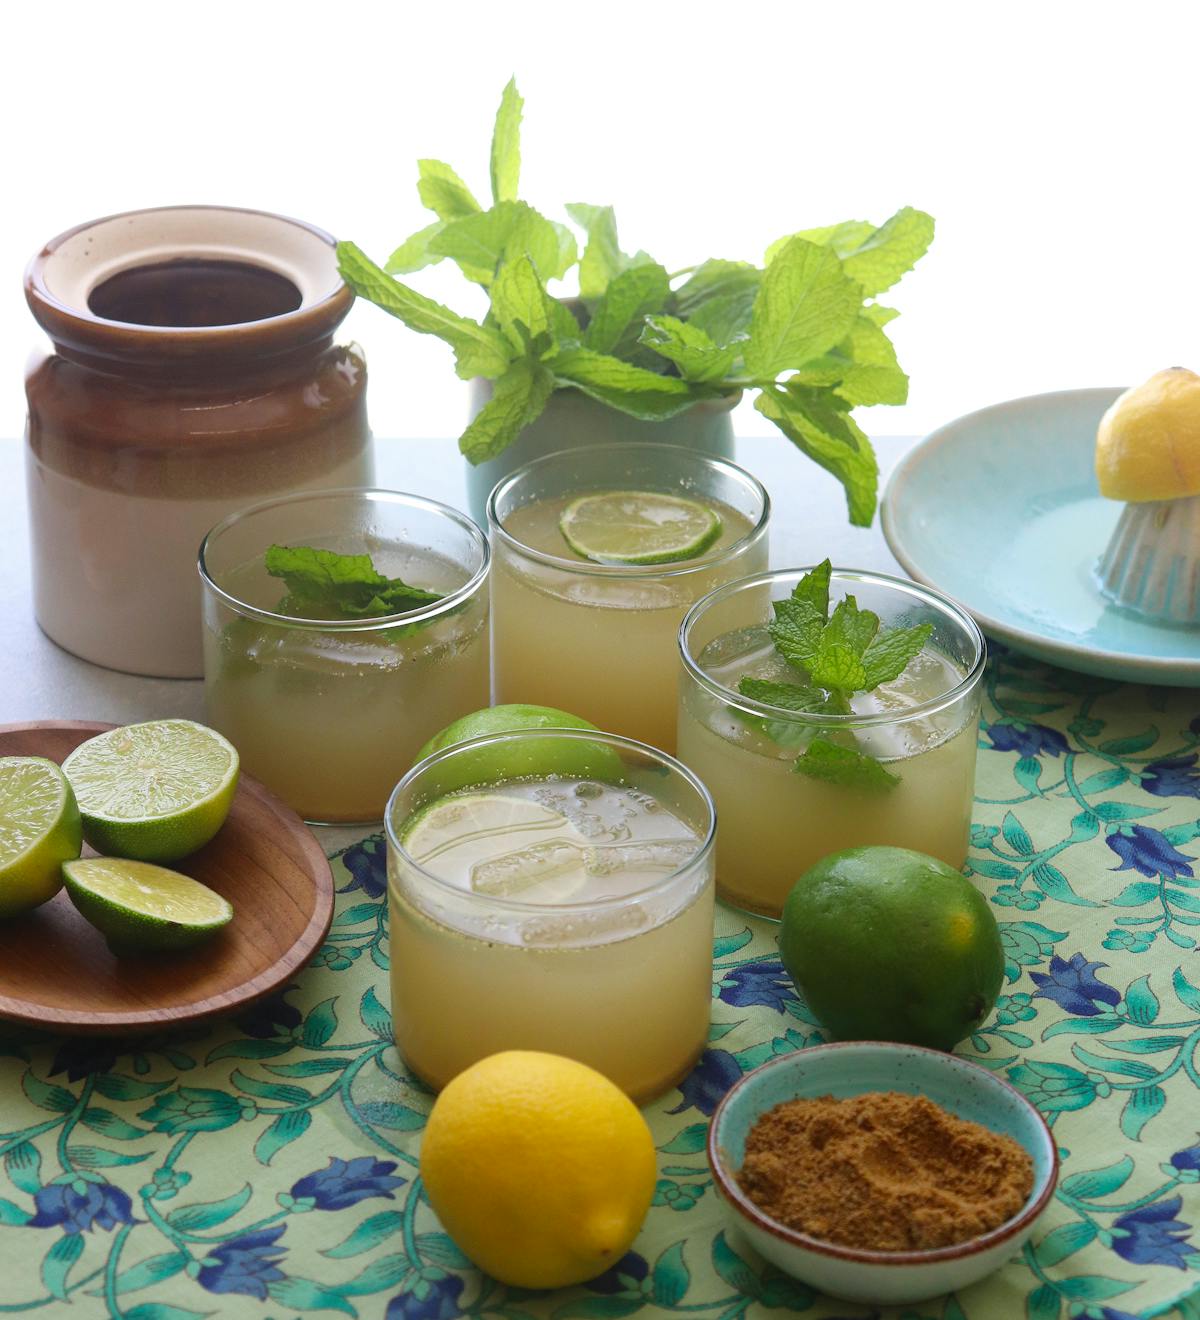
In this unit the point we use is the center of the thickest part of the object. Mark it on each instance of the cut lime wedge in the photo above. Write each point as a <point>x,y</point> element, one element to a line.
<point>143,908</point>
<point>638,527</point>
<point>39,830</point>
<point>155,792</point>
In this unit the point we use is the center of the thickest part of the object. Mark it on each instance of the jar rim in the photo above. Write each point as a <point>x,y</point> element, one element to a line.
<point>72,325</point>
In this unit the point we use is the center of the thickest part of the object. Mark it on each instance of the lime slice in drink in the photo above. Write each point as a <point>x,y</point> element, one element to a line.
<point>499,846</point>
<point>39,830</point>
<point>143,908</point>
<point>526,758</point>
<point>154,792</point>
<point>638,527</point>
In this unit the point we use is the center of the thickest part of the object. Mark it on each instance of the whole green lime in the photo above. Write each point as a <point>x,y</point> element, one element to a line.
<point>889,944</point>
<point>526,758</point>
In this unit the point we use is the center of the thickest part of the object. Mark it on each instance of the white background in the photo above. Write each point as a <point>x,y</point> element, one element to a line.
<point>1055,142</point>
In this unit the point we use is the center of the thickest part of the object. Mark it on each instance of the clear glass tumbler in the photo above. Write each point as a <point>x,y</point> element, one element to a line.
<point>329,712</point>
<point>598,640</point>
<point>922,727</point>
<point>552,890</point>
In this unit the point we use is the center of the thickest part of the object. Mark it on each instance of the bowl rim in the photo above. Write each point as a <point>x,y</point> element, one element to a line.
<point>728,1186</point>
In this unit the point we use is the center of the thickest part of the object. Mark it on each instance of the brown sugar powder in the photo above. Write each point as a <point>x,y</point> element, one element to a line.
<point>883,1171</point>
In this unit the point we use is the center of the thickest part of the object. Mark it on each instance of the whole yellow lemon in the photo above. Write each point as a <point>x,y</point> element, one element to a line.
<point>539,1167</point>
<point>1148,443</point>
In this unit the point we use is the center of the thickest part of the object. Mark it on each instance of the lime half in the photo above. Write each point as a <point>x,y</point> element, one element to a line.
<point>638,527</point>
<point>154,792</point>
<point>39,830</point>
<point>143,908</point>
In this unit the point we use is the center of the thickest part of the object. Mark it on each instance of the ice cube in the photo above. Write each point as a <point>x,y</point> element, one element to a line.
<point>514,873</point>
<point>644,855</point>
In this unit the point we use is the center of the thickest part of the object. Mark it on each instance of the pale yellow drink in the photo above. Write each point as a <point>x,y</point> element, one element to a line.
<point>564,915</point>
<point>329,714</point>
<point>776,823</point>
<point>599,640</point>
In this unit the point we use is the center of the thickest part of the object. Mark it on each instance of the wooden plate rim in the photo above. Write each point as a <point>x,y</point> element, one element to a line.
<point>212,1006</point>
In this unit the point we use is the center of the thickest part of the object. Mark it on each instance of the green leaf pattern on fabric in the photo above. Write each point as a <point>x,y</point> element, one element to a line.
<point>267,1166</point>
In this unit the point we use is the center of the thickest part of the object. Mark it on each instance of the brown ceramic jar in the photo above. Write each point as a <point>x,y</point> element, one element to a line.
<point>194,373</point>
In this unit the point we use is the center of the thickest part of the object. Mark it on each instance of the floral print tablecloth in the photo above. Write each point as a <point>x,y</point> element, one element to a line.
<point>267,1167</point>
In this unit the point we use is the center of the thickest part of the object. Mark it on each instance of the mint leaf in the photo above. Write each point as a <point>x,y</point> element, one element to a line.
<point>518,397</point>
<point>891,652</point>
<point>813,423</point>
<point>787,696</point>
<point>506,145</point>
<point>414,254</point>
<point>726,320</point>
<point>813,588</point>
<point>837,662</point>
<point>630,389</point>
<point>479,350</point>
<point>479,242</point>
<point>602,259</point>
<point>843,238</point>
<point>895,247</point>
<point>693,352</point>
<point>713,280</point>
<point>863,367</point>
<point>796,630</point>
<point>804,306</point>
<point>324,584</point>
<point>844,766</point>
<point>443,192</point>
<point>520,299</point>
<point>625,302</point>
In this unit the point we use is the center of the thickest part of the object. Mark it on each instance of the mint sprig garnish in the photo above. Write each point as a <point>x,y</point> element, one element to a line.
<point>803,330</point>
<point>838,655</point>
<point>322,584</point>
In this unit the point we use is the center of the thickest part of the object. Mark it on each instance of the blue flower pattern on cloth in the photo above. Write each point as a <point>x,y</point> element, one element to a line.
<point>1074,986</point>
<point>244,1264</point>
<point>346,1182</point>
<point>80,1207</point>
<point>266,1168</point>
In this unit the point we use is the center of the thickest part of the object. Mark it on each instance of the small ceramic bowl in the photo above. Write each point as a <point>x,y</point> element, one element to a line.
<point>843,1070</point>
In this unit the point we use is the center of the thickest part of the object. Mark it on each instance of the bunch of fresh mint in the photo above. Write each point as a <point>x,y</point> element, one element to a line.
<point>836,655</point>
<point>803,331</point>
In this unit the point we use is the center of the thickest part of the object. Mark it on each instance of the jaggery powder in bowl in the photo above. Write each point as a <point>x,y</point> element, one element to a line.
<point>883,1171</point>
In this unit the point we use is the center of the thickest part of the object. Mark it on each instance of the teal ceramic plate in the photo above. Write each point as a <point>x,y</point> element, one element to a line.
<point>1000,510</point>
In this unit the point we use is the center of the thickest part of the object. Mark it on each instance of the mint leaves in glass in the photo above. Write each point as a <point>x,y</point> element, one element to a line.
<point>804,331</point>
<point>828,709</point>
<point>341,631</point>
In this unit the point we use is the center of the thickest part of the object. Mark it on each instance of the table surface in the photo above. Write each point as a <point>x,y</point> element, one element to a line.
<point>241,1168</point>
<point>39,680</point>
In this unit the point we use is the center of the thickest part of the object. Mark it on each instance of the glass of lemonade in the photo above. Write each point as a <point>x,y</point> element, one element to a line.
<point>596,635</point>
<point>921,726</point>
<point>328,711</point>
<point>567,907</point>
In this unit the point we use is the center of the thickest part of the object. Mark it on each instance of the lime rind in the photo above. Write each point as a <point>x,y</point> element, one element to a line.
<point>40,829</point>
<point>141,907</point>
<point>638,528</point>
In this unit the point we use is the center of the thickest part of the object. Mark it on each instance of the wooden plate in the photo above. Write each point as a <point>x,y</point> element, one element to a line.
<point>56,970</point>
